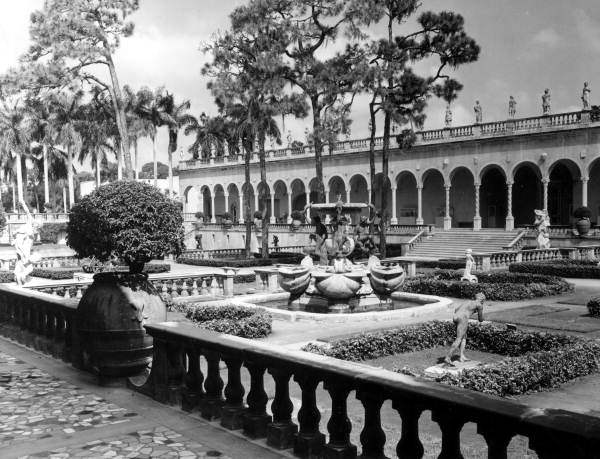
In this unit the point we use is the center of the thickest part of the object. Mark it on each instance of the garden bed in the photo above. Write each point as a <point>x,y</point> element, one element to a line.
<point>500,286</point>
<point>584,269</point>
<point>532,361</point>
<point>230,318</point>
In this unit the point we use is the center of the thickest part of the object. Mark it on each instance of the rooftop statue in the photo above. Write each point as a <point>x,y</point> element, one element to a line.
<point>478,112</point>
<point>512,107</point>
<point>546,109</point>
<point>448,116</point>
<point>585,96</point>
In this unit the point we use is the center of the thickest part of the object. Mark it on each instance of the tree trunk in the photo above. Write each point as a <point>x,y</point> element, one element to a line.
<point>318,148</point>
<point>135,148</point>
<point>117,99</point>
<point>19,178</point>
<point>46,183</point>
<point>98,179</point>
<point>247,204</point>
<point>65,209</point>
<point>70,176</point>
<point>155,160</point>
<point>263,179</point>
<point>172,147</point>
<point>14,198</point>
<point>372,148</point>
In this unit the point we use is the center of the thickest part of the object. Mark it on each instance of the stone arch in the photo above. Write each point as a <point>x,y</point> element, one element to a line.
<point>564,192</point>
<point>206,194</point>
<point>493,196</point>
<point>234,204</point>
<point>526,192</point>
<point>462,197</point>
<point>313,193</point>
<point>593,189</point>
<point>298,191</point>
<point>337,187</point>
<point>434,197</point>
<point>406,198</point>
<point>358,188</point>
<point>491,166</point>
<point>282,210</point>
<point>191,199</point>
<point>263,198</point>
<point>220,200</point>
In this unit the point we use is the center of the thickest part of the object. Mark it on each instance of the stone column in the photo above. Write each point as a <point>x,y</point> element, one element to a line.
<point>369,194</point>
<point>545,183</point>
<point>419,204</point>
<point>242,208</point>
<point>477,218</point>
<point>327,191</point>
<point>201,201</point>
<point>255,203</point>
<point>584,191</point>
<point>289,218</point>
<point>394,220</point>
<point>213,218</point>
<point>447,217</point>
<point>510,220</point>
<point>227,202</point>
<point>308,213</point>
<point>272,220</point>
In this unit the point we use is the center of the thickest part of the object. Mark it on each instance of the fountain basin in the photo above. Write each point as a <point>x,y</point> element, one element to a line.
<point>338,286</point>
<point>294,280</point>
<point>386,279</point>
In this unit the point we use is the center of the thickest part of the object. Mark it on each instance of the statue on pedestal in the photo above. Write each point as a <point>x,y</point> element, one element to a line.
<point>362,237</point>
<point>467,276</point>
<point>461,319</point>
<point>585,96</point>
<point>546,102</point>
<point>23,243</point>
<point>478,113</point>
<point>541,224</point>
<point>512,107</point>
<point>448,116</point>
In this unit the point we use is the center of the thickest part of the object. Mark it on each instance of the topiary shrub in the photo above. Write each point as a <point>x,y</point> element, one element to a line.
<point>297,215</point>
<point>232,319</point>
<point>594,306</point>
<point>129,220</point>
<point>582,212</point>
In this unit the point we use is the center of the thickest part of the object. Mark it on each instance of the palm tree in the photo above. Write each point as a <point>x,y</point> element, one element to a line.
<point>137,125</point>
<point>14,138</point>
<point>211,136</point>
<point>95,133</point>
<point>149,109</point>
<point>176,117</point>
<point>66,108</point>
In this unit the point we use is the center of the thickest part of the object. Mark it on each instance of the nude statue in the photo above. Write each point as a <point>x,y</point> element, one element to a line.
<point>461,319</point>
<point>478,112</point>
<point>512,107</point>
<point>546,102</point>
<point>470,263</point>
<point>448,117</point>
<point>585,96</point>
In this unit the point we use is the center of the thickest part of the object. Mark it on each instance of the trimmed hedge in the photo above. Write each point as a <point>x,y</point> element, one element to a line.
<point>232,319</point>
<point>534,360</point>
<point>55,273</point>
<point>442,264</point>
<point>6,276</point>
<point>594,306</point>
<point>585,269</point>
<point>500,286</point>
<point>241,262</point>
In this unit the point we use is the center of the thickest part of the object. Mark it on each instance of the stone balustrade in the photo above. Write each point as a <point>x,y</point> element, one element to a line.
<point>50,217</point>
<point>502,260</point>
<point>7,263</point>
<point>178,378</point>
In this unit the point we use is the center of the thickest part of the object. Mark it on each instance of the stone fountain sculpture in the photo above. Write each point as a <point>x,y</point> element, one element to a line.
<point>341,286</point>
<point>541,224</point>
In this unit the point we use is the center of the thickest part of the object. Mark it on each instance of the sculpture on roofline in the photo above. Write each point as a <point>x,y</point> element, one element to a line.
<point>541,224</point>
<point>448,116</point>
<point>512,107</point>
<point>585,96</point>
<point>546,102</point>
<point>478,112</point>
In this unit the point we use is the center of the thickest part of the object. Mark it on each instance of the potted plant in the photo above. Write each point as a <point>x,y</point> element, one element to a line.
<point>131,222</point>
<point>47,207</point>
<point>297,220</point>
<point>227,219</point>
<point>199,218</point>
<point>583,215</point>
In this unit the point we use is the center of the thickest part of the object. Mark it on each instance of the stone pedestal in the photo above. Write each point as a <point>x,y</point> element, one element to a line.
<point>443,368</point>
<point>447,223</point>
<point>476,223</point>
<point>510,223</point>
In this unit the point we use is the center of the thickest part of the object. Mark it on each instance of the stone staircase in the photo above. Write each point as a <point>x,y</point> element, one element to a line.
<point>453,243</point>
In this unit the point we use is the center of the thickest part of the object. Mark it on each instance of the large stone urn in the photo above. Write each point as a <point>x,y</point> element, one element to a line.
<point>385,280</point>
<point>338,288</point>
<point>110,320</point>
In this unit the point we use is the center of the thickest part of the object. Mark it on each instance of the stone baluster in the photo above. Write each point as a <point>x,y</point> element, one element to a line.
<point>214,286</point>
<point>497,439</point>
<point>339,426</point>
<point>174,289</point>
<point>175,372</point>
<point>210,406</point>
<point>195,288</point>
<point>450,425</point>
<point>160,370</point>
<point>232,413</point>
<point>372,436</point>
<point>79,292</point>
<point>409,445</point>
<point>192,391</point>
<point>203,288</point>
<point>309,441</point>
<point>164,288</point>
<point>67,293</point>
<point>185,288</point>
<point>280,433</point>
<point>256,419</point>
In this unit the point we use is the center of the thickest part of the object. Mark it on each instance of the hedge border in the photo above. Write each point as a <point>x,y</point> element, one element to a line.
<point>534,361</point>
<point>230,318</point>
<point>582,269</point>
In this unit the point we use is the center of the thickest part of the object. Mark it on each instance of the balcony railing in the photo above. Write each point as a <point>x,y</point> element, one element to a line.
<point>451,134</point>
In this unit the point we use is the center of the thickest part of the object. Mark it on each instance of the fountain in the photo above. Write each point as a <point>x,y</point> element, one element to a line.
<point>341,286</point>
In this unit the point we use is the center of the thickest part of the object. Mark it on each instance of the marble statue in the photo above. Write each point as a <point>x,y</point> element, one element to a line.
<point>470,263</point>
<point>478,112</point>
<point>23,243</point>
<point>362,236</point>
<point>320,236</point>
<point>289,139</point>
<point>307,261</point>
<point>585,96</point>
<point>541,224</point>
<point>461,320</point>
<point>546,102</point>
<point>448,116</point>
<point>512,107</point>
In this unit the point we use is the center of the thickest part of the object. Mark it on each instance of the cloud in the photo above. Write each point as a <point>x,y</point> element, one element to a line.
<point>588,29</point>
<point>547,37</point>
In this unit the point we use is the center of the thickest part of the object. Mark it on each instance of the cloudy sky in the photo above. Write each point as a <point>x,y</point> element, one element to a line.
<point>527,45</point>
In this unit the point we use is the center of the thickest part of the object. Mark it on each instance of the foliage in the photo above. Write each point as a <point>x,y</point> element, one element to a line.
<point>128,220</point>
<point>534,360</point>
<point>237,262</point>
<point>49,232</point>
<point>297,215</point>
<point>2,219</point>
<point>582,212</point>
<point>495,286</point>
<point>54,273</point>
<point>232,319</point>
<point>441,264</point>
<point>199,215</point>
<point>226,216</point>
<point>6,276</point>
<point>563,268</point>
<point>593,306</point>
